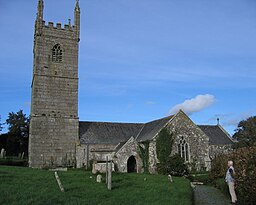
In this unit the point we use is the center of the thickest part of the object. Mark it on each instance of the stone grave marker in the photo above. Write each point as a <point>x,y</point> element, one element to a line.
<point>99,178</point>
<point>2,153</point>
<point>170,178</point>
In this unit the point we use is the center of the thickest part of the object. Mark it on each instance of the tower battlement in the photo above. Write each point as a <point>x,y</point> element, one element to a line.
<point>58,25</point>
<point>40,24</point>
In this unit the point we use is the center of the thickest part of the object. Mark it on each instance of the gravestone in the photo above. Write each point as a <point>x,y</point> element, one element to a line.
<point>109,175</point>
<point>99,178</point>
<point>59,182</point>
<point>22,155</point>
<point>170,178</point>
<point>2,153</point>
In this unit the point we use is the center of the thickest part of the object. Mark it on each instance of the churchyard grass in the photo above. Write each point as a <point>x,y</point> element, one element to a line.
<point>21,185</point>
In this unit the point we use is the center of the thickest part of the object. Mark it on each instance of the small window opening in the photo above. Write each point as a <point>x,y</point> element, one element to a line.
<point>57,54</point>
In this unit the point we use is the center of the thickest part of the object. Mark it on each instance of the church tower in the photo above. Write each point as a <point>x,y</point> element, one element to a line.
<point>54,103</point>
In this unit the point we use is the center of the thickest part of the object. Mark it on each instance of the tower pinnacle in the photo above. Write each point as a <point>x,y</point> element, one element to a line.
<point>77,20</point>
<point>39,17</point>
<point>40,10</point>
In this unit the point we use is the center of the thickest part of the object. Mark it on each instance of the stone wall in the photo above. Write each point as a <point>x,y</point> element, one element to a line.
<point>198,141</point>
<point>182,126</point>
<point>215,150</point>
<point>84,153</point>
<point>129,149</point>
<point>152,161</point>
<point>54,102</point>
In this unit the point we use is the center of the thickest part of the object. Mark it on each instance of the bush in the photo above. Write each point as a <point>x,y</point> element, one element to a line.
<point>199,177</point>
<point>175,165</point>
<point>14,161</point>
<point>245,168</point>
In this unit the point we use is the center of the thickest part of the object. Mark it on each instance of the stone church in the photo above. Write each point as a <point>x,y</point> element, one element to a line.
<point>58,138</point>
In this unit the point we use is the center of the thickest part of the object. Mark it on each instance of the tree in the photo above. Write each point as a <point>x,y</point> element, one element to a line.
<point>246,133</point>
<point>164,144</point>
<point>18,123</point>
<point>18,126</point>
<point>1,125</point>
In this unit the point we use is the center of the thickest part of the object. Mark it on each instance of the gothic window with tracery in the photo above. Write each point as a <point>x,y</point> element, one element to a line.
<point>57,54</point>
<point>183,149</point>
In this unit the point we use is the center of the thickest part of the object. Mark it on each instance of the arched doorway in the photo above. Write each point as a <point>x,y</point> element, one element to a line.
<point>131,164</point>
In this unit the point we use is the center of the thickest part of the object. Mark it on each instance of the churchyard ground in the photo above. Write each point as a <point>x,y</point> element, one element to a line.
<point>21,185</point>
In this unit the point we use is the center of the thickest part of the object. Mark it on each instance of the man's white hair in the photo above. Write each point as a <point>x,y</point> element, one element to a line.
<point>230,163</point>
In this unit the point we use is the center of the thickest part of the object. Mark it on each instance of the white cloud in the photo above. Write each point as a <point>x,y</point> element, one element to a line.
<point>193,105</point>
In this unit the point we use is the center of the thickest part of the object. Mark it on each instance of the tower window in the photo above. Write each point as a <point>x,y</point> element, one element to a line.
<point>183,149</point>
<point>57,54</point>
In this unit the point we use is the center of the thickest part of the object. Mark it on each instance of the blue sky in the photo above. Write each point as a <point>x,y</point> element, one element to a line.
<point>140,60</point>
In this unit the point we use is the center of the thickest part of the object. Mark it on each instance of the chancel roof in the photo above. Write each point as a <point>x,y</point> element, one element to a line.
<point>216,134</point>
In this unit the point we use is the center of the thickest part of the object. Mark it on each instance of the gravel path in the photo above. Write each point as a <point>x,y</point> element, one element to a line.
<point>207,195</point>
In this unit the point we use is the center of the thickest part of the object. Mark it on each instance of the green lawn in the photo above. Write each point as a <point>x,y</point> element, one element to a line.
<point>20,185</point>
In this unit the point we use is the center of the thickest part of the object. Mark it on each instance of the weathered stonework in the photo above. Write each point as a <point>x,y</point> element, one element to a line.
<point>215,150</point>
<point>198,141</point>
<point>152,161</point>
<point>54,105</point>
<point>130,148</point>
<point>58,139</point>
<point>181,126</point>
<point>84,153</point>
<point>199,150</point>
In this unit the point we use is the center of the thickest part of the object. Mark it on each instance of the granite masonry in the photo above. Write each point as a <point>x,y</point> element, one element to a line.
<point>54,104</point>
<point>58,139</point>
<point>121,142</point>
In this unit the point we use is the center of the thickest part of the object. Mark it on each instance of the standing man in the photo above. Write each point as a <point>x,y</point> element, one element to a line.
<point>231,181</point>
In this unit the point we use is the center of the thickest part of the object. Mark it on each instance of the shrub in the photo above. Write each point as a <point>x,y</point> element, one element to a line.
<point>245,167</point>
<point>164,144</point>
<point>176,165</point>
<point>14,161</point>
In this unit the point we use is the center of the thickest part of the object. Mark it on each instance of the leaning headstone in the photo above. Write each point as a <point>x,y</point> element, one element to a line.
<point>2,153</point>
<point>99,178</point>
<point>59,182</point>
<point>62,169</point>
<point>170,178</point>
<point>22,155</point>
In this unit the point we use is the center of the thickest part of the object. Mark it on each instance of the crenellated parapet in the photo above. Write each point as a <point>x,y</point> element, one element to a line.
<point>50,25</point>
<point>41,26</point>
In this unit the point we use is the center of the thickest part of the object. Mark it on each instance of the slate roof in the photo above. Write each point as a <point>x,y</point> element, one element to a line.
<point>216,134</point>
<point>114,133</point>
<point>152,128</point>
<point>107,133</point>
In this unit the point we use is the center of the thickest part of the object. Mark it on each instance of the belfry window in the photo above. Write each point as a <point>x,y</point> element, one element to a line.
<point>57,54</point>
<point>183,149</point>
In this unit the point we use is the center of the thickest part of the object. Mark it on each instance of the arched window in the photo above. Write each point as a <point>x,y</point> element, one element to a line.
<point>183,149</point>
<point>57,54</point>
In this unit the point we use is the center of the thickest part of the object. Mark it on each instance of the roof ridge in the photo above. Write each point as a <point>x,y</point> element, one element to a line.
<point>170,117</point>
<point>131,123</point>
<point>209,125</point>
